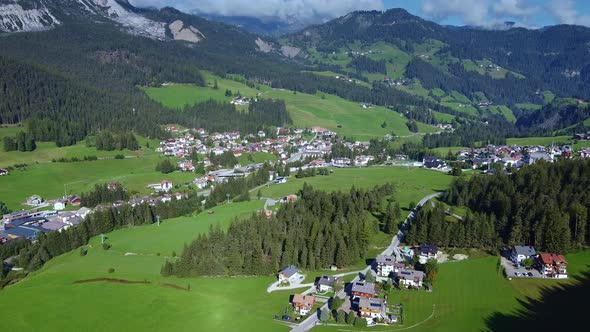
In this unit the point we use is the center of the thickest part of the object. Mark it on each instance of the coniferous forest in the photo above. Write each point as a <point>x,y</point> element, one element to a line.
<point>543,205</point>
<point>319,230</point>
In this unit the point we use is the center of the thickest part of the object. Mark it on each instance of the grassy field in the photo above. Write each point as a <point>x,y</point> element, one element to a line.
<point>306,110</point>
<point>546,141</point>
<point>177,95</point>
<point>411,184</point>
<point>50,180</point>
<point>46,151</point>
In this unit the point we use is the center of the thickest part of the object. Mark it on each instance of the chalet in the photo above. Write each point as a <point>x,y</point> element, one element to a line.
<point>186,166</point>
<point>280,180</point>
<point>426,252</point>
<point>261,134</point>
<point>164,186</point>
<point>363,289</point>
<point>384,265</point>
<point>59,205</point>
<point>409,278</point>
<point>521,253</point>
<point>326,283</point>
<point>372,308</point>
<point>303,304</point>
<point>341,162</point>
<point>432,162</point>
<point>74,200</point>
<point>3,172</point>
<point>288,274</point>
<point>83,212</point>
<point>552,265</point>
<point>201,182</point>
<point>289,199</point>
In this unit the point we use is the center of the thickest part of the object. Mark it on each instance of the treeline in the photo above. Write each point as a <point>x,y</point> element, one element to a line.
<point>544,205</point>
<point>108,141</point>
<point>494,130</point>
<point>319,230</point>
<point>102,194</point>
<point>431,226</point>
<point>34,255</point>
<point>366,64</point>
<point>221,116</point>
<point>311,172</point>
<point>238,188</point>
<point>22,142</point>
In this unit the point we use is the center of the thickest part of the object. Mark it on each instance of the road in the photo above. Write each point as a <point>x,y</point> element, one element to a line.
<point>312,320</point>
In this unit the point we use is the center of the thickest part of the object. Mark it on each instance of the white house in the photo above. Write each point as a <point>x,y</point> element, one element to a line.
<point>409,278</point>
<point>326,283</point>
<point>58,206</point>
<point>372,308</point>
<point>164,186</point>
<point>384,265</point>
<point>426,252</point>
<point>289,274</point>
<point>521,253</point>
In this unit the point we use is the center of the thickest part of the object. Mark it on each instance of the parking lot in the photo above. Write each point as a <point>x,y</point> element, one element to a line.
<point>518,272</point>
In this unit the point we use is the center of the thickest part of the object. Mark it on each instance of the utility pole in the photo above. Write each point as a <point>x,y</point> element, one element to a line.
<point>228,196</point>
<point>158,219</point>
<point>102,238</point>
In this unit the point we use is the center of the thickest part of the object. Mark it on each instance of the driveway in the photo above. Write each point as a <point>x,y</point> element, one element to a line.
<point>293,285</point>
<point>511,271</point>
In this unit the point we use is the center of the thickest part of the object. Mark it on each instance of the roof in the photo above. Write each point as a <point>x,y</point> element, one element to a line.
<point>410,274</point>
<point>525,250</point>
<point>53,225</point>
<point>385,259</point>
<point>428,249</point>
<point>372,303</point>
<point>363,287</point>
<point>551,259</point>
<point>28,232</point>
<point>304,300</point>
<point>327,280</point>
<point>289,270</point>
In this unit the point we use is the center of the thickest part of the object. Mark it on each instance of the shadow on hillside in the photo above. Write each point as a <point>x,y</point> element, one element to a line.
<point>559,308</point>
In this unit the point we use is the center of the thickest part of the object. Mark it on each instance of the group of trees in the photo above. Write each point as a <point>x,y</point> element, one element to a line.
<point>103,194</point>
<point>366,64</point>
<point>319,230</point>
<point>311,172</point>
<point>165,166</point>
<point>33,255</point>
<point>22,142</point>
<point>238,188</point>
<point>105,140</point>
<point>544,205</point>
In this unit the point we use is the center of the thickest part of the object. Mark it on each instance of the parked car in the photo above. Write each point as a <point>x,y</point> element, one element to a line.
<point>286,318</point>
<point>530,274</point>
<point>516,274</point>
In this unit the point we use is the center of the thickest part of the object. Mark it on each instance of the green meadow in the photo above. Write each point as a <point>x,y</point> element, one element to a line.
<point>411,184</point>
<point>51,180</point>
<point>324,110</point>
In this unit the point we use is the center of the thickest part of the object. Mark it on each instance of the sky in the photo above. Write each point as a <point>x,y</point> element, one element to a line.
<point>485,13</point>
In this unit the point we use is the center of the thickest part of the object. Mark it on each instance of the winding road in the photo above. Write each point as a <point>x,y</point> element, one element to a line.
<point>312,320</point>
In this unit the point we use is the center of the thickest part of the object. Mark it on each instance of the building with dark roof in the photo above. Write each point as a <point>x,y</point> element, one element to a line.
<point>288,274</point>
<point>363,289</point>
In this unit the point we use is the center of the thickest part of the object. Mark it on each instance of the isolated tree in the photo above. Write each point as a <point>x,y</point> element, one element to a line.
<point>341,317</point>
<point>431,269</point>
<point>215,86</point>
<point>259,194</point>
<point>336,303</point>
<point>325,315</point>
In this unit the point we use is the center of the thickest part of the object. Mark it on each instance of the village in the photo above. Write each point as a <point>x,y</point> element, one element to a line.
<point>366,296</point>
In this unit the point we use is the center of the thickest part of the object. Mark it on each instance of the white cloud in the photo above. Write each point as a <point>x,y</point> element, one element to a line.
<point>472,12</point>
<point>314,10</point>
<point>514,8</point>
<point>565,13</point>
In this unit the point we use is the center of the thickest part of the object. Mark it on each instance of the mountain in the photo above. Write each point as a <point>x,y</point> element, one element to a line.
<point>506,66</point>
<point>265,26</point>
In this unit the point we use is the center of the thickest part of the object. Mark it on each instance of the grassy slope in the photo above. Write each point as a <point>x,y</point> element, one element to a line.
<point>546,141</point>
<point>48,180</point>
<point>306,110</point>
<point>411,184</point>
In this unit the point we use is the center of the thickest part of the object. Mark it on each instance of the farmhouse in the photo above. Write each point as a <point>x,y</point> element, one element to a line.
<point>552,265</point>
<point>303,303</point>
<point>432,162</point>
<point>34,200</point>
<point>3,172</point>
<point>59,205</point>
<point>363,289</point>
<point>289,274</point>
<point>426,252</point>
<point>326,283</point>
<point>384,265</point>
<point>409,278</point>
<point>372,308</point>
<point>520,253</point>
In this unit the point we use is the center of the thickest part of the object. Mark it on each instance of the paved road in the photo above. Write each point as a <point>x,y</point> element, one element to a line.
<point>312,320</point>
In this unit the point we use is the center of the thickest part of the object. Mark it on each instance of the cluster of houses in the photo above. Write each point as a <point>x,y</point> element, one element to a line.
<point>550,265</point>
<point>223,175</point>
<point>239,100</point>
<point>29,224</point>
<point>397,82</point>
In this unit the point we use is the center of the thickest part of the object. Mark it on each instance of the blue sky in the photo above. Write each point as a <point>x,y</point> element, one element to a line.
<point>527,13</point>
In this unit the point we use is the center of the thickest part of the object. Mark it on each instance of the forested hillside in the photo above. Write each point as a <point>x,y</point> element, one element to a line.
<point>544,205</point>
<point>319,230</point>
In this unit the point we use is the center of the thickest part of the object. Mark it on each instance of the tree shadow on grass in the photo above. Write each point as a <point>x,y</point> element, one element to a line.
<point>559,308</point>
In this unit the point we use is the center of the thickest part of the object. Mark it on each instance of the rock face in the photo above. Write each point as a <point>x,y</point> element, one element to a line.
<point>290,51</point>
<point>263,46</point>
<point>15,18</point>
<point>136,23</point>
<point>181,32</point>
